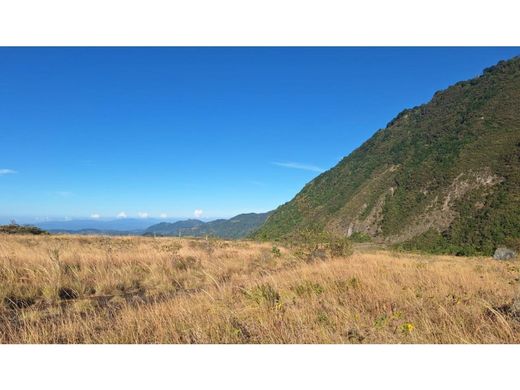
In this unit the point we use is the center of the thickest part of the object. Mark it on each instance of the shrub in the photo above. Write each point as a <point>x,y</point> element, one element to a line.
<point>308,288</point>
<point>14,228</point>
<point>264,293</point>
<point>315,245</point>
<point>276,251</point>
<point>185,263</point>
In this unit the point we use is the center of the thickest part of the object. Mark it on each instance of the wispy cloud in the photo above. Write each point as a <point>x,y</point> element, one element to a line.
<point>163,215</point>
<point>198,213</point>
<point>122,214</point>
<point>143,214</point>
<point>95,216</point>
<point>295,165</point>
<point>5,171</point>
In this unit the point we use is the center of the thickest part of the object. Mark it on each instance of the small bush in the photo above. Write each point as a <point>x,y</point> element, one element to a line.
<point>308,288</point>
<point>276,251</point>
<point>339,246</point>
<point>264,293</point>
<point>314,245</point>
<point>185,263</point>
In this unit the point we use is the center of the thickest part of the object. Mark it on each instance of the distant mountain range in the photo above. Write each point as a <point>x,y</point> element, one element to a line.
<point>237,227</point>
<point>97,232</point>
<point>125,225</point>
<point>441,177</point>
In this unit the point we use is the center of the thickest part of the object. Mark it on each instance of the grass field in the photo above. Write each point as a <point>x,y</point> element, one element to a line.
<point>79,289</point>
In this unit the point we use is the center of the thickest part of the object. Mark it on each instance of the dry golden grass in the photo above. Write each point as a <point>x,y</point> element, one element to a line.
<point>71,289</point>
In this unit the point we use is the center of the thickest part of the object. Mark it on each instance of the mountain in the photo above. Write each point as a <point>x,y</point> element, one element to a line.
<point>237,227</point>
<point>98,232</point>
<point>183,228</point>
<point>126,225</point>
<point>443,176</point>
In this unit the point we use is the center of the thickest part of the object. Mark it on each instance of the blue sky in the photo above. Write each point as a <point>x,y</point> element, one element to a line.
<point>156,132</point>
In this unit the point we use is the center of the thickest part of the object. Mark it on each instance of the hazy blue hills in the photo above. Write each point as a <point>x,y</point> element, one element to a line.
<point>98,232</point>
<point>237,227</point>
<point>119,225</point>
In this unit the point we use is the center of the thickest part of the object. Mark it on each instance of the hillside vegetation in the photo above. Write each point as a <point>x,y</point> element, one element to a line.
<point>78,289</point>
<point>442,177</point>
<point>14,228</point>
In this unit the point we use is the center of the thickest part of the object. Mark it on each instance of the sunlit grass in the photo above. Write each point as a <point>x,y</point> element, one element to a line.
<point>72,289</point>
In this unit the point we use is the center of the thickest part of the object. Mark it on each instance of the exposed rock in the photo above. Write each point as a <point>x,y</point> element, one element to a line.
<point>503,253</point>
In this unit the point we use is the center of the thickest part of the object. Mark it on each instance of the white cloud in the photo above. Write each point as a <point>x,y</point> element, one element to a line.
<point>122,214</point>
<point>198,213</point>
<point>294,165</point>
<point>6,172</point>
<point>143,214</point>
<point>95,216</point>
<point>163,215</point>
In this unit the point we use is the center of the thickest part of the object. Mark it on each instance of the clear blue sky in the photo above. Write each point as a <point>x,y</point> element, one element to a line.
<point>86,131</point>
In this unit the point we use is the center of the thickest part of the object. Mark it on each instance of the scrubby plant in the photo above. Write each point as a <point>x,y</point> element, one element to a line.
<point>264,294</point>
<point>276,251</point>
<point>185,263</point>
<point>312,245</point>
<point>308,288</point>
<point>14,228</point>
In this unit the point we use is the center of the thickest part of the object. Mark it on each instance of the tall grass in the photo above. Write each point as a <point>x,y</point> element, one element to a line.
<point>71,289</point>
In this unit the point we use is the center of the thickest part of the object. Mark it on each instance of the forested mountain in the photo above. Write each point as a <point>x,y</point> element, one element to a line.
<point>443,176</point>
<point>237,227</point>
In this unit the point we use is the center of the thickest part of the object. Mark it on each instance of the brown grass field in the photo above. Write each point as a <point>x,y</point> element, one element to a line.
<point>79,289</point>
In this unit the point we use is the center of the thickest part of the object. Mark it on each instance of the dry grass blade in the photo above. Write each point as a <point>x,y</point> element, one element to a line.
<point>71,289</point>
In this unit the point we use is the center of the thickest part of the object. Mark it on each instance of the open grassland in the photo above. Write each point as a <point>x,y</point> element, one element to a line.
<point>72,289</point>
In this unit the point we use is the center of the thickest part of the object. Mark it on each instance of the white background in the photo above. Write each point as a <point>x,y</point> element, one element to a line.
<point>265,22</point>
<point>316,367</point>
<point>233,22</point>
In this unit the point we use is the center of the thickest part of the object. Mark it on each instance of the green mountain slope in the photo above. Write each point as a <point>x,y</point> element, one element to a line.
<point>237,227</point>
<point>443,176</point>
